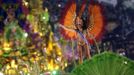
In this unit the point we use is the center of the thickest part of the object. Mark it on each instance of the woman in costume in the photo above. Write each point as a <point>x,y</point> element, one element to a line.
<point>75,26</point>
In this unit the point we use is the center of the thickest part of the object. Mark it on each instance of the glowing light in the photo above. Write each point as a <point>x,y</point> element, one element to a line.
<point>59,59</point>
<point>59,5</point>
<point>1,73</point>
<point>25,34</point>
<point>43,17</point>
<point>25,3</point>
<point>13,65</point>
<point>54,72</point>
<point>28,74</point>
<point>50,66</point>
<point>41,34</point>
<point>8,67</point>
<point>6,46</point>
<point>125,62</point>
<point>57,67</point>
<point>65,64</point>
<point>21,72</point>
<point>59,53</point>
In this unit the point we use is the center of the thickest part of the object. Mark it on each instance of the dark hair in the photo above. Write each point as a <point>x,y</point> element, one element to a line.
<point>85,23</point>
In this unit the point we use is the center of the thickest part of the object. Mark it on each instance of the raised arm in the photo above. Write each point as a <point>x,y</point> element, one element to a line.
<point>67,28</point>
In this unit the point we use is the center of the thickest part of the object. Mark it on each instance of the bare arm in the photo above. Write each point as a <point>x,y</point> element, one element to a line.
<point>67,28</point>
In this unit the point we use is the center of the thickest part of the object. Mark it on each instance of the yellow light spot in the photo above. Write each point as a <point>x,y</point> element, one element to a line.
<point>25,34</point>
<point>25,3</point>
<point>13,64</point>
<point>66,64</point>
<point>57,67</point>
<point>41,34</point>
<point>8,67</point>
<point>6,46</point>
<point>43,17</point>
<point>59,53</point>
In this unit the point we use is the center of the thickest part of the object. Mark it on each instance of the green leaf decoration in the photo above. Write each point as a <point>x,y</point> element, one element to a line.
<point>7,34</point>
<point>0,66</point>
<point>21,16</point>
<point>6,55</point>
<point>17,35</point>
<point>30,17</point>
<point>106,64</point>
<point>45,16</point>
<point>24,52</point>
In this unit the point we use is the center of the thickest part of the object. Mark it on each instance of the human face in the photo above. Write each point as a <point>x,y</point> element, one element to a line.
<point>78,23</point>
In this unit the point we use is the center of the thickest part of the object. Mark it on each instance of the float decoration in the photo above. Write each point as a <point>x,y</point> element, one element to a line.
<point>30,48</point>
<point>106,64</point>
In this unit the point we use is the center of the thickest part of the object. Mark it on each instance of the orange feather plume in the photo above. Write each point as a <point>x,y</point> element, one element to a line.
<point>96,21</point>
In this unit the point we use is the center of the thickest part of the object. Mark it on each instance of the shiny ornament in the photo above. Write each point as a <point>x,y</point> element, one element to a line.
<point>45,16</point>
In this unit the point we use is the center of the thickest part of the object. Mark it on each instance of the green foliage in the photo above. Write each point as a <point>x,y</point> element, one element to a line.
<point>106,64</point>
<point>44,17</point>
<point>6,55</point>
<point>6,6</point>
<point>0,66</point>
<point>24,52</point>
<point>17,35</point>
